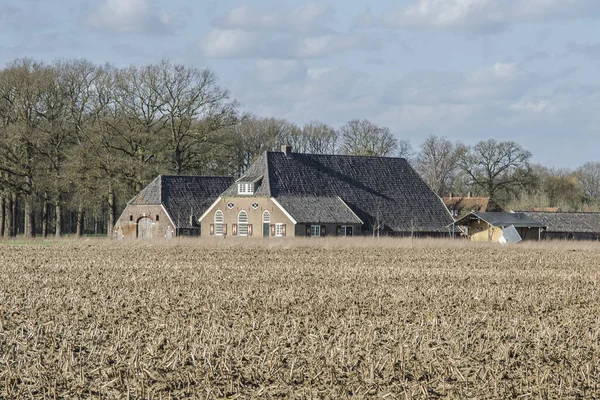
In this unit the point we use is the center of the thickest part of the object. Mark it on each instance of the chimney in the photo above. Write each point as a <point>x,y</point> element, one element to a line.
<point>286,149</point>
<point>193,221</point>
<point>469,194</point>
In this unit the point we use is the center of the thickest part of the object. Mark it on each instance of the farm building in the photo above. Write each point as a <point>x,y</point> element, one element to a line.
<point>294,194</point>
<point>489,226</point>
<point>568,225</point>
<point>460,206</point>
<point>170,206</point>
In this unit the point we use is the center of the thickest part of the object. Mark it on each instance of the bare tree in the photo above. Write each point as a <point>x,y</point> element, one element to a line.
<point>495,167</point>
<point>589,177</point>
<point>437,163</point>
<point>194,107</point>
<point>364,138</point>
<point>320,138</point>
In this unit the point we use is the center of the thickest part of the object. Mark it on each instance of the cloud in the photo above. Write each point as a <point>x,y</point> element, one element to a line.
<point>252,44</point>
<point>530,106</point>
<point>277,71</point>
<point>129,16</point>
<point>230,43</point>
<point>300,33</point>
<point>16,19</point>
<point>303,18</point>
<point>591,51</point>
<point>483,16</point>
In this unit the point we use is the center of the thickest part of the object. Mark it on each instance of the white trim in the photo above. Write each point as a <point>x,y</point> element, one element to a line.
<point>287,214</point>
<point>209,209</point>
<point>348,207</point>
<point>279,226</point>
<point>170,219</point>
<point>263,217</point>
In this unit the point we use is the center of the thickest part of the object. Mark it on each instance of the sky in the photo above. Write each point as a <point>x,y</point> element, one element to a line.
<point>468,70</point>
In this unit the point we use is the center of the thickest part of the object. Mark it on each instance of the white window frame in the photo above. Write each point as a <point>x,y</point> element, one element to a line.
<point>278,229</point>
<point>242,227</point>
<point>245,188</point>
<point>315,231</point>
<point>266,217</point>
<point>344,228</point>
<point>219,223</point>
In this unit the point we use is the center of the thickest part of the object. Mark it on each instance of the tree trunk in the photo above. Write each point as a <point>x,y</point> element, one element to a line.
<point>29,220</point>
<point>58,212</point>
<point>111,211</point>
<point>80,216</point>
<point>11,215</point>
<point>45,216</point>
<point>2,215</point>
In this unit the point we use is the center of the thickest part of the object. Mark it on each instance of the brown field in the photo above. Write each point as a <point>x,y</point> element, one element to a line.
<point>303,319</point>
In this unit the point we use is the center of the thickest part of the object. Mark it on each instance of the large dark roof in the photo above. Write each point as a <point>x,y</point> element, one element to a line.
<point>502,219</point>
<point>183,196</point>
<point>377,189</point>
<point>318,209</point>
<point>566,222</point>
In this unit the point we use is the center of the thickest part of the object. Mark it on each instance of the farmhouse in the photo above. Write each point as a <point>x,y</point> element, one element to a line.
<point>489,226</point>
<point>568,225</point>
<point>459,206</point>
<point>294,194</point>
<point>170,206</point>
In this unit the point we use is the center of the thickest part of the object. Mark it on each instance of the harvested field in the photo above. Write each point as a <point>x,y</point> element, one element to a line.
<point>305,319</point>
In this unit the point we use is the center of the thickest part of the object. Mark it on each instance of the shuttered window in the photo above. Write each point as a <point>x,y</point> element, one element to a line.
<point>242,228</point>
<point>279,229</point>
<point>219,223</point>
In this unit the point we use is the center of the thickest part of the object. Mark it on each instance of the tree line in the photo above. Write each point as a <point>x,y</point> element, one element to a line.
<point>78,140</point>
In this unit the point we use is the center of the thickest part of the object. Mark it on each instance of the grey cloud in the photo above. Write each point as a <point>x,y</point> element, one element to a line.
<point>278,71</point>
<point>306,17</point>
<point>251,44</point>
<point>591,51</point>
<point>131,16</point>
<point>17,19</point>
<point>481,16</point>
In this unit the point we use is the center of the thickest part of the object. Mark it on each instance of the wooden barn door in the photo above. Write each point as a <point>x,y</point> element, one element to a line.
<point>144,228</point>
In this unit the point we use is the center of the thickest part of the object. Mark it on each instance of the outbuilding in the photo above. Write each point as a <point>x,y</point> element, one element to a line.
<point>170,206</point>
<point>489,226</point>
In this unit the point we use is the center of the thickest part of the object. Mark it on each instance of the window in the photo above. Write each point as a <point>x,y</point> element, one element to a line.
<point>245,188</point>
<point>230,205</point>
<point>242,228</point>
<point>157,218</point>
<point>346,231</point>
<point>131,218</point>
<point>219,222</point>
<point>278,229</point>
<point>315,230</point>
<point>266,217</point>
<point>254,205</point>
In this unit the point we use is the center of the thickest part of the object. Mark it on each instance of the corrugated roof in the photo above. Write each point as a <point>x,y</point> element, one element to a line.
<point>565,222</point>
<point>502,219</point>
<point>323,210</point>
<point>183,196</point>
<point>377,189</point>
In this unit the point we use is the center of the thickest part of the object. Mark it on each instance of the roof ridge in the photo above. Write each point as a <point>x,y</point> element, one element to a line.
<point>337,155</point>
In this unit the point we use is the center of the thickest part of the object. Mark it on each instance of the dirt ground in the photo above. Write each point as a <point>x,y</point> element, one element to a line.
<point>311,319</point>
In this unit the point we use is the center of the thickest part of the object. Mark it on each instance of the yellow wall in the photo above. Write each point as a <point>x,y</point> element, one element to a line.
<point>480,231</point>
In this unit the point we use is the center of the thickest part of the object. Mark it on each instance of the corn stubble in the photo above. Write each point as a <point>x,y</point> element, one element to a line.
<point>327,321</point>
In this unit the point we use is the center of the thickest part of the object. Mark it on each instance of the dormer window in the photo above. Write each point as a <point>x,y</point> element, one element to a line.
<point>246,188</point>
